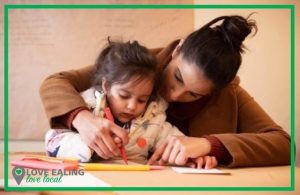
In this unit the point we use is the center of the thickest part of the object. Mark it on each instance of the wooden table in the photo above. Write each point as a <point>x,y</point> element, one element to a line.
<point>277,176</point>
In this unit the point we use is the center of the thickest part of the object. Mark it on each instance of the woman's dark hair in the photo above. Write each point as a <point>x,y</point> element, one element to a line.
<point>119,62</point>
<point>217,50</point>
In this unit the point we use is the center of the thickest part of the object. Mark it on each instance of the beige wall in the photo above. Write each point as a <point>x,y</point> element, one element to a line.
<point>45,41</point>
<point>265,70</point>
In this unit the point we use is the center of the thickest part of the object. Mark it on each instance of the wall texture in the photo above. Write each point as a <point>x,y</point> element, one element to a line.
<point>45,41</point>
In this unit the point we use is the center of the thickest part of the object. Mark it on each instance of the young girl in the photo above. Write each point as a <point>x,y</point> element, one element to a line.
<point>125,80</point>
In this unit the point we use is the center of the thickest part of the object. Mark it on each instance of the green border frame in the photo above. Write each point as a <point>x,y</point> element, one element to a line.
<point>8,7</point>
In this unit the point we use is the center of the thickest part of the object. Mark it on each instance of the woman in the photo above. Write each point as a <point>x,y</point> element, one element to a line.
<point>205,102</point>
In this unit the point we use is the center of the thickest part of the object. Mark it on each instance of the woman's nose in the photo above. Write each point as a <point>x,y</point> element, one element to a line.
<point>176,93</point>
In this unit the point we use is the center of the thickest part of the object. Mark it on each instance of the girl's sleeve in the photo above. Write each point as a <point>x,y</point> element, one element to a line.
<point>60,93</point>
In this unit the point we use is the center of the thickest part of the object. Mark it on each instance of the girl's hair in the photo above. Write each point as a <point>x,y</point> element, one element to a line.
<point>119,62</point>
<point>217,50</point>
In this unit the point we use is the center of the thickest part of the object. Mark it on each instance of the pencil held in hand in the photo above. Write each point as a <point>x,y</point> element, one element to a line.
<point>110,117</point>
<point>108,114</point>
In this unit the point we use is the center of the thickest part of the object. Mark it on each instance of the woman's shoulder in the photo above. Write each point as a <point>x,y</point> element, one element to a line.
<point>237,89</point>
<point>234,92</point>
<point>236,81</point>
<point>232,88</point>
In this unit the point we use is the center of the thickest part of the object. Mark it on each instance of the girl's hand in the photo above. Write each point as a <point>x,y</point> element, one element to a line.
<point>178,149</point>
<point>100,134</point>
<point>206,162</point>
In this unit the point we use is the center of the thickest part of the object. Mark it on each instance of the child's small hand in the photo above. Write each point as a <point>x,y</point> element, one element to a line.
<point>206,162</point>
<point>117,141</point>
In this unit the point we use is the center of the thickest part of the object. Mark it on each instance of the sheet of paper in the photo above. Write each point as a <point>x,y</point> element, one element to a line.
<point>199,171</point>
<point>86,180</point>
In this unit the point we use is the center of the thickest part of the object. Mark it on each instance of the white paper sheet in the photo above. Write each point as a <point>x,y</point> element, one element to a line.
<point>199,171</point>
<point>86,180</point>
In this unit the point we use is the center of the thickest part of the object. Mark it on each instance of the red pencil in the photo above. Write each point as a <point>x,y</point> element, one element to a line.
<point>110,117</point>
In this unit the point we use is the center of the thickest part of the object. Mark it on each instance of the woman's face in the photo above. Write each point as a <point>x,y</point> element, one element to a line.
<point>184,81</point>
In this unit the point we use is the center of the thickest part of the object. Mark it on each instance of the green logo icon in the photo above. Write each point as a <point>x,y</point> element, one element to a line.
<point>18,173</point>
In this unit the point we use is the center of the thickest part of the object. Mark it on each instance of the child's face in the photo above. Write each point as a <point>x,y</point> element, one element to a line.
<point>128,101</point>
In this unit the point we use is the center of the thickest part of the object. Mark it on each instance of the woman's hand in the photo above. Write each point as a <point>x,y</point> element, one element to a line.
<point>100,134</point>
<point>179,149</point>
<point>206,162</point>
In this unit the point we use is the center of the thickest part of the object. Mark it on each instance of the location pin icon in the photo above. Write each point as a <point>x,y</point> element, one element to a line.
<point>18,173</point>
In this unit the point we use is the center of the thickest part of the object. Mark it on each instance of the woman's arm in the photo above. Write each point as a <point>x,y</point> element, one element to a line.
<point>259,141</point>
<point>60,93</point>
<point>248,136</point>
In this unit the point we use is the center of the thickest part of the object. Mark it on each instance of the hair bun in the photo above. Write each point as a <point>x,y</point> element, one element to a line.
<point>235,29</point>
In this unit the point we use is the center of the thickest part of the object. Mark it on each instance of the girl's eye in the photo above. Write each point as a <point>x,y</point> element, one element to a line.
<point>142,101</point>
<point>124,96</point>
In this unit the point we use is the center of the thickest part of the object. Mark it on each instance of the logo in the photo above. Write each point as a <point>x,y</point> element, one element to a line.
<point>43,175</point>
<point>18,173</point>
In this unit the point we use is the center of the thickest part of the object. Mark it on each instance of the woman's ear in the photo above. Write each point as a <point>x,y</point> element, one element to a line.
<point>104,85</point>
<point>177,48</point>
